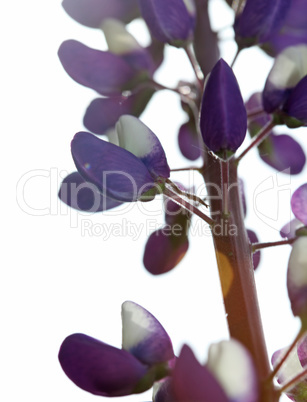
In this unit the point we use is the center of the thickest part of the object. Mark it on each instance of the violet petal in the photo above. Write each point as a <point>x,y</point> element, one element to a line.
<point>84,196</point>
<point>92,12</point>
<point>164,250</point>
<point>193,382</point>
<point>299,203</point>
<point>296,104</point>
<point>143,335</point>
<point>189,141</point>
<point>168,20</point>
<point>99,368</point>
<point>103,113</point>
<point>289,229</point>
<point>106,73</point>
<point>223,120</point>
<point>116,172</point>
<point>283,153</point>
<point>259,19</point>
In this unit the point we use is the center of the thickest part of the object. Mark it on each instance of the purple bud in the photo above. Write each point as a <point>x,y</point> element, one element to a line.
<point>223,120</point>
<point>258,20</point>
<point>169,21</point>
<point>296,104</point>
<point>189,141</point>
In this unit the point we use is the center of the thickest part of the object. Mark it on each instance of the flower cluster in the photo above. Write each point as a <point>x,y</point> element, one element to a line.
<point>129,164</point>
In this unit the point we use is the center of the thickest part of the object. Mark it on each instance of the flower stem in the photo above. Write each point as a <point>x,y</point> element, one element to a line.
<point>294,381</point>
<point>225,186</point>
<point>259,246</point>
<point>190,207</point>
<point>254,113</point>
<point>235,57</point>
<point>195,66</point>
<point>258,139</point>
<point>234,259</point>
<point>186,169</point>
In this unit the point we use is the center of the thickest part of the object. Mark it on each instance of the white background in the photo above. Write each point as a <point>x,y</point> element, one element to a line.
<point>56,279</point>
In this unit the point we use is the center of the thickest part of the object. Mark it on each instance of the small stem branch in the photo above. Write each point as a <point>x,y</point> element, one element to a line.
<point>186,169</point>
<point>162,87</point>
<point>285,356</point>
<point>236,56</point>
<point>294,381</point>
<point>258,139</point>
<point>190,207</point>
<point>259,246</point>
<point>192,197</point>
<point>195,66</point>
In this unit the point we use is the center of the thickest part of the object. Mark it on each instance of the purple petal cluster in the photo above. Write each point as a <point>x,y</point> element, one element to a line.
<point>170,21</point>
<point>102,369</point>
<point>259,20</point>
<point>135,169</point>
<point>223,120</point>
<point>281,151</point>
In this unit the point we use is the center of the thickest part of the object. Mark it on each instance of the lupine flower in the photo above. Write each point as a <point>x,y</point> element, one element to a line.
<point>223,120</point>
<point>102,369</point>
<point>170,21</point>
<point>134,169</point>
<point>295,363</point>
<point>292,32</point>
<point>284,93</point>
<point>84,196</point>
<point>228,376</point>
<point>290,228</point>
<point>258,20</point>
<point>281,152</point>
<point>166,247</point>
<point>93,12</point>
<point>299,203</point>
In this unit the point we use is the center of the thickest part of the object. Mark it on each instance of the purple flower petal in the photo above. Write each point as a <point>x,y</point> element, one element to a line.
<point>137,138</point>
<point>283,153</point>
<point>103,113</point>
<point>143,335</point>
<point>84,196</point>
<point>296,105</point>
<point>253,238</point>
<point>168,20</point>
<point>223,120</point>
<point>116,172</point>
<point>299,203</point>
<point>99,368</point>
<point>193,382</point>
<point>259,19</point>
<point>302,351</point>
<point>92,12</point>
<point>205,42</point>
<point>255,124</point>
<point>232,365</point>
<point>189,141</point>
<point>106,73</point>
<point>289,68</point>
<point>293,30</point>
<point>164,249</point>
<point>162,391</point>
<point>289,229</point>
<point>297,278</point>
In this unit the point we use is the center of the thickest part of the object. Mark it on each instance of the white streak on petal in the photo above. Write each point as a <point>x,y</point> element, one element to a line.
<point>112,136</point>
<point>297,273</point>
<point>119,40</point>
<point>136,324</point>
<point>190,5</point>
<point>134,136</point>
<point>232,365</point>
<point>290,67</point>
<point>291,366</point>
